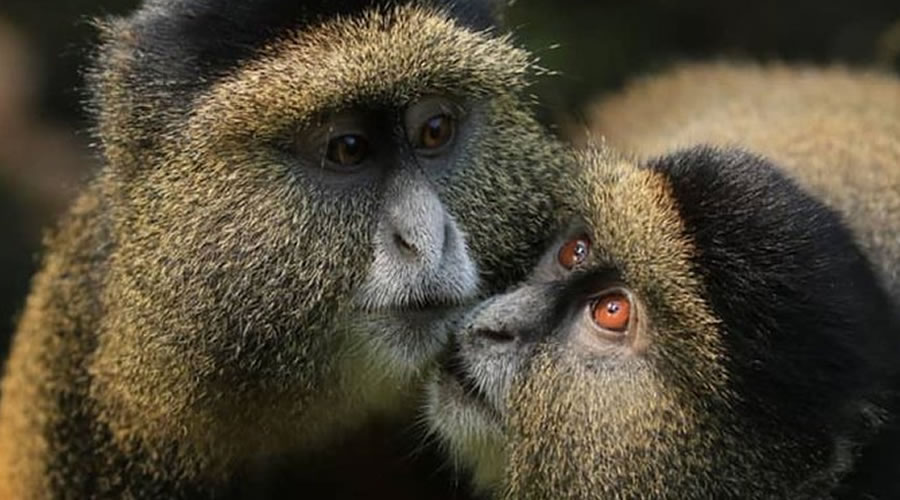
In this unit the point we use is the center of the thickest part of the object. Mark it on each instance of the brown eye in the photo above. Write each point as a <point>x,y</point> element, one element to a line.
<point>437,132</point>
<point>348,150</point>
<point>574,252</point>
<point>612,312</point>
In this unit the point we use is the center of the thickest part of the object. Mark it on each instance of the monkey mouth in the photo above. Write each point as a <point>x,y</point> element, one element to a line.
<point>423,305</point>
<point>454,373</point>
<point>373,303</point>
<point>412,338</point>
<point>424,316</point>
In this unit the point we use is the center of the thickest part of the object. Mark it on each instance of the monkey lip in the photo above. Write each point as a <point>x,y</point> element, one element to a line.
<point>424,305</point>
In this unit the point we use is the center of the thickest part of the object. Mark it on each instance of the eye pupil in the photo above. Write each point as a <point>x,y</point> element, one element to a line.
<point>437,131</point>
<point>612,312</point>
<point>580,250</point>
<point>574,252</point>
<point>348,150</point>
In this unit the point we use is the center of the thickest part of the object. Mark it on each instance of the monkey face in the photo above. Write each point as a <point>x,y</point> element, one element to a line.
<point>575,338</point>
<point>297,230</point>
<point>636,361</point>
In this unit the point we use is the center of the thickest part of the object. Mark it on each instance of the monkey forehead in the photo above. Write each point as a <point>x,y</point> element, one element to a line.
<point>634,220</point>
<point>381,57</point>
<point>636,226</point>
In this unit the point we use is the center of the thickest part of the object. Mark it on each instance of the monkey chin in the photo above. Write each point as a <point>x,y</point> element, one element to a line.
<point>393,350</point>
<point>469,425</point>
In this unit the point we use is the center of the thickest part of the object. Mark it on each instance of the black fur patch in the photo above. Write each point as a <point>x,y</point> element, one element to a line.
<point>198,40</point>
<point>806,324</point>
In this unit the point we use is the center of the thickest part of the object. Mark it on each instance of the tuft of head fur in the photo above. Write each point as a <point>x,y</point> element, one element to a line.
<point>196,312</point>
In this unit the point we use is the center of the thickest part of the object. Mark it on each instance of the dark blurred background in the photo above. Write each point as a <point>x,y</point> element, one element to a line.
<point>45,144</point>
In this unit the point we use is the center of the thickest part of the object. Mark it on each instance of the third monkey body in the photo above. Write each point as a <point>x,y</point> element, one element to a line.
<point>834,130</point>
<point>715,321</point>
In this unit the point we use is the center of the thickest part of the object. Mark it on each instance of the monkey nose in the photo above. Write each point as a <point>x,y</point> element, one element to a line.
<point>421,244</point>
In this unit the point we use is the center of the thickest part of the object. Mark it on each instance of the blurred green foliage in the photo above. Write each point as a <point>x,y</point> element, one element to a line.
<point>596,45</point>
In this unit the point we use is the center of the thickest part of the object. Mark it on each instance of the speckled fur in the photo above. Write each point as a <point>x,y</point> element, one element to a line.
<point>191,314</point>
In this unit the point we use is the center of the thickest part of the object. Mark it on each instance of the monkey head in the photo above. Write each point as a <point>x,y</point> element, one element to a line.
<point>303,194</point>
<point>701,329</point>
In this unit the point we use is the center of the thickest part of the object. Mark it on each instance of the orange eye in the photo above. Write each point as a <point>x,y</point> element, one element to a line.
<point>574,252</point>
<point>437,131</point>
<point>348,150</point>
<point>612,312</point>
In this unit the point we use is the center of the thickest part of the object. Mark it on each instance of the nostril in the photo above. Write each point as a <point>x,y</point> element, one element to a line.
<point>404,246</point>
<point>499,336</point>
<point>448,238</point>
